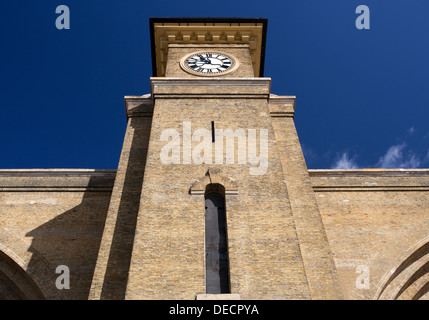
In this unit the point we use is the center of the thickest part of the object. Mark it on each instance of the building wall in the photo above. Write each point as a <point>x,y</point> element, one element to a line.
<point>50,218</point>
<point>377,223</point>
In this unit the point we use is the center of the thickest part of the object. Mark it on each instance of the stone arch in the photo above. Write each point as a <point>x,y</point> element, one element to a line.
<point>409,279</point>
<point>213,176</point>
<point>24,272</point>
<point>15,283</point>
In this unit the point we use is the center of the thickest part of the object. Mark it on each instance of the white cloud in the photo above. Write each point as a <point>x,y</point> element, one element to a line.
<point>396,157</point>
<point>344,162</point>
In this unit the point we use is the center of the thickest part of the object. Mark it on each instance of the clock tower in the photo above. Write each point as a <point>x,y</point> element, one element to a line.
<point>212,197</point>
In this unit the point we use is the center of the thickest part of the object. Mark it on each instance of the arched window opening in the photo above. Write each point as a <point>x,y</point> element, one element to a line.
<point>216,240</point>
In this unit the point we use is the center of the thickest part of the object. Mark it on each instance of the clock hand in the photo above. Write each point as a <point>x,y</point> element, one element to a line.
<point>205,60</point>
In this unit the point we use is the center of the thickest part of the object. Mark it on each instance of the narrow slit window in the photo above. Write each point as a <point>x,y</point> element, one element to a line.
<point>216,241</point>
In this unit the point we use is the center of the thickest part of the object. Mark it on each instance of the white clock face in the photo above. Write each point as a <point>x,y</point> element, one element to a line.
<point>209,63</point>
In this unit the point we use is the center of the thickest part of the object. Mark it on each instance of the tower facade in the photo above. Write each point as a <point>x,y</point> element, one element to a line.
<point>212,195</point>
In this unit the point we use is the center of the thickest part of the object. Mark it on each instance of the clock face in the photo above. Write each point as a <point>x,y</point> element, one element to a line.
<point>209,63</point>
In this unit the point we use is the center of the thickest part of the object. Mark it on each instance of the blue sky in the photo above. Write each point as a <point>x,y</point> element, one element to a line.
<point>361,94</point>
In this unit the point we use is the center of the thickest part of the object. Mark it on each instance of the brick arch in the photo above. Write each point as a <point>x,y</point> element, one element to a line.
<point>409,279</point>
<point>214,176</point>
<point>24,272</point>
<point>15,283</point>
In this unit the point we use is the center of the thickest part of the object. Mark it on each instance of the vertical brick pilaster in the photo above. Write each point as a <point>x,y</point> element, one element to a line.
<point>111,271</point>
<point>316,253</point>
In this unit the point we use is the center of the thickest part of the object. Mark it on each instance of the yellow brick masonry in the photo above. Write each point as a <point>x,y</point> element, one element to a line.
<point>168,252</point>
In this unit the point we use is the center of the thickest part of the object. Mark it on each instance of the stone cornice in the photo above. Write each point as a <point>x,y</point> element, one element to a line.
<point>56,172</point>
<point>363,188</point>
<point>369,172</point>
<point>139,106</point>
<point>210,87</point>
<point>370,180</point>
<point>56,180</point>
<point>282,106</point>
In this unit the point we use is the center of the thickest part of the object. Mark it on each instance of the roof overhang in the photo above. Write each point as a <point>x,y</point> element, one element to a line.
<point>165,31</point>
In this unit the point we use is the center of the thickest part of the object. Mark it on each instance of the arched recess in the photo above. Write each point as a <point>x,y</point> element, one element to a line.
<point>216,240</point>
<point>217,191</point>
<point>409,279</point>
<point>24,272</point>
